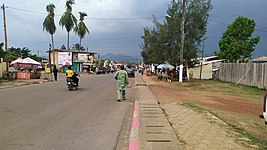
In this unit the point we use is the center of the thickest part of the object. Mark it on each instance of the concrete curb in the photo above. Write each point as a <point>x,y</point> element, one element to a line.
<point>134,139</point>
<point>134,142</point>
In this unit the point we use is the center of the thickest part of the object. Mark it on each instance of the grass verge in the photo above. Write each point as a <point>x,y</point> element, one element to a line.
<point>253,139</point>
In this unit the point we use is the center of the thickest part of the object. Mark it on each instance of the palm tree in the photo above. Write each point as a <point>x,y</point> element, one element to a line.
<point>49,25</point>
<point>68,20</point>
<point>81,28</point>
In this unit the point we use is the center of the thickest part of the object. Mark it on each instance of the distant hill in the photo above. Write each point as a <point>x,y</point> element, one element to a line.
<point>120,57</point>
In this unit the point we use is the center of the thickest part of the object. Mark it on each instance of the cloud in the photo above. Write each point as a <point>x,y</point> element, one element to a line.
<point>109,32</point>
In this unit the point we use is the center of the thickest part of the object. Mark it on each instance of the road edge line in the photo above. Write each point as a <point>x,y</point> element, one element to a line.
<point>134,140</point>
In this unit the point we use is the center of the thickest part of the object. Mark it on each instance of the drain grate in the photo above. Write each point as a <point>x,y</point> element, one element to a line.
<point>148,107</point>
<point>152,113</point>
<point>160,141</point>
<point>156,126</point>
<point>151,110</point>
<point>151,116</point>
<point>156,132</point>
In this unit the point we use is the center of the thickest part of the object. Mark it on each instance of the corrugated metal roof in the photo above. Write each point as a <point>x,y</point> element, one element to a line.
<point>260,59</point>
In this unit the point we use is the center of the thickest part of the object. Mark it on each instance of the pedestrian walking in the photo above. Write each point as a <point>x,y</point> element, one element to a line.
<point>142,71</point>
<point>55,71</point>
<point>122,81</point>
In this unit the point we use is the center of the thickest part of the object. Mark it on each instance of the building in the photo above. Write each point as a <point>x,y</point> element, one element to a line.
<point>79,60</point>
<point>210,67</point>
<point>262,59</point>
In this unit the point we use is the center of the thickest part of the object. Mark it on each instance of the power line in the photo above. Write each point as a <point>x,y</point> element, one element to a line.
<point>220,22</point>
<point>126,18</point>
<point>57,41</point>
<point>141,18</point>
<point>216,4</point>
<point>30,11</point>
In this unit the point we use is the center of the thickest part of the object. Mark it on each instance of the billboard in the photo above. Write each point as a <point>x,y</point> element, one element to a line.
<point>65,58</point>
<point>83,57</point>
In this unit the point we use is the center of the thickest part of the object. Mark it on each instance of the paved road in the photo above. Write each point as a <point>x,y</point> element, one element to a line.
<point>49,117</point>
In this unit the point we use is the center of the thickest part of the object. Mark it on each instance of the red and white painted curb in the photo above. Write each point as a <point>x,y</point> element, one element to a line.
<point>134,141</point>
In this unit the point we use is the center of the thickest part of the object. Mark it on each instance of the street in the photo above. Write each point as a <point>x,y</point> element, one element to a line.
<point>50,117</point>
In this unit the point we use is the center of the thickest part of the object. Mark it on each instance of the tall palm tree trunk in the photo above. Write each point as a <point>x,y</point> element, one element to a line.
<point>80,44</point>
<point>53,46</point>
<point>68,44</point>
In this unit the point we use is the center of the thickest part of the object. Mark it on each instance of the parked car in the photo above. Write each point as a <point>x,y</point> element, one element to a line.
<point>130,72</point>
<point>100,71</point>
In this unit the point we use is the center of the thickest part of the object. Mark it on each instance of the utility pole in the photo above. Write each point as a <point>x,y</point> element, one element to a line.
<point>4,16</point>
<point>182,41</point>
<point>49,61</point>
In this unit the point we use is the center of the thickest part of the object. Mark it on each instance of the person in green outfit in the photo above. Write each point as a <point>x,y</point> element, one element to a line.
<point>122,81</point>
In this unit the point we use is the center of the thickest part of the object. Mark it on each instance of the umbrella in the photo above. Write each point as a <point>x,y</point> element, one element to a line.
<point>165,66</point>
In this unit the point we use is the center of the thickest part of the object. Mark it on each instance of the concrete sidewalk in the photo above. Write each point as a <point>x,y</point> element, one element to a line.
<point>155,132</point>
<point>194,130</point>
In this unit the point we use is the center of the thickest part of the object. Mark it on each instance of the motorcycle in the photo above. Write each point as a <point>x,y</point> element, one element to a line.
<point>264,114</point>
<point>71,84</point>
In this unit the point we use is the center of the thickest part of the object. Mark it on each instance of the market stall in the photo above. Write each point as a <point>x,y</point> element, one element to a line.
<point>26,68</point>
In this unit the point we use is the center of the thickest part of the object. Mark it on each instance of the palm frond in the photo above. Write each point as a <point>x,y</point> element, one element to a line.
<point>68,4</point>
<point>82,15</point>
<point>50,8</point>
<point>49,24</point>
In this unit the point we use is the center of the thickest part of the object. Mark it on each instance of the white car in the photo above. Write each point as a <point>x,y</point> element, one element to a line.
<point>264,114</point>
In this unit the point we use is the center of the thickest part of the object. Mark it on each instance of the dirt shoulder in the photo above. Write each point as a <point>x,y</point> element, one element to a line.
<point>238,105</point>
<point>20,82</point>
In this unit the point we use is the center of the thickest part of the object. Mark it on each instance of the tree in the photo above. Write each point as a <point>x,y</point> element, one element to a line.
<point>237,41</point>
<point>68,20</point>
<point>37,58</point>
<point>14,53</point>
<point>81,28</point>
<point>63,47</point>
<point>49,24</point>
<point>78,47</point>
<point>162,43</point>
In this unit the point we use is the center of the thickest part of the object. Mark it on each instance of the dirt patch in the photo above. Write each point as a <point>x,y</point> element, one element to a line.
<point>214,100</point>
<point>237,106</point>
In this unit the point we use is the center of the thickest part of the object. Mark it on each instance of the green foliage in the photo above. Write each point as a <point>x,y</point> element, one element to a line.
<point>237,42</point>
<point>63,47</point>
<point>14,53</point>
<point>35,57</point>
<point>162,43</point>
<point>49,23</point>
<point>78,47</point>
<point>68,20</point>
<point>81,28</point>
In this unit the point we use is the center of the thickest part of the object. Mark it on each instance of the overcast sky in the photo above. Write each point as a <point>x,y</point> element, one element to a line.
<point>117,25</point>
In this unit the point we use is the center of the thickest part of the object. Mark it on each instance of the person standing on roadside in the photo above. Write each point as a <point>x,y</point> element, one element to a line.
<point>122,81</point>
<point>55,71</point>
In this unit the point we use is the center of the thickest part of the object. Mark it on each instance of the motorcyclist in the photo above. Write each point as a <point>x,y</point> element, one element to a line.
<point>73,75</point>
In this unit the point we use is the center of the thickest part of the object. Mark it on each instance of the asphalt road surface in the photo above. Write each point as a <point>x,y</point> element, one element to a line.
<point>50,117</point>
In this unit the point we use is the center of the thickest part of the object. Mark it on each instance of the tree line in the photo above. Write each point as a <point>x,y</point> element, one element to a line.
<point>67,20</point>
<point>161,44</point>
<point>14,53</point>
